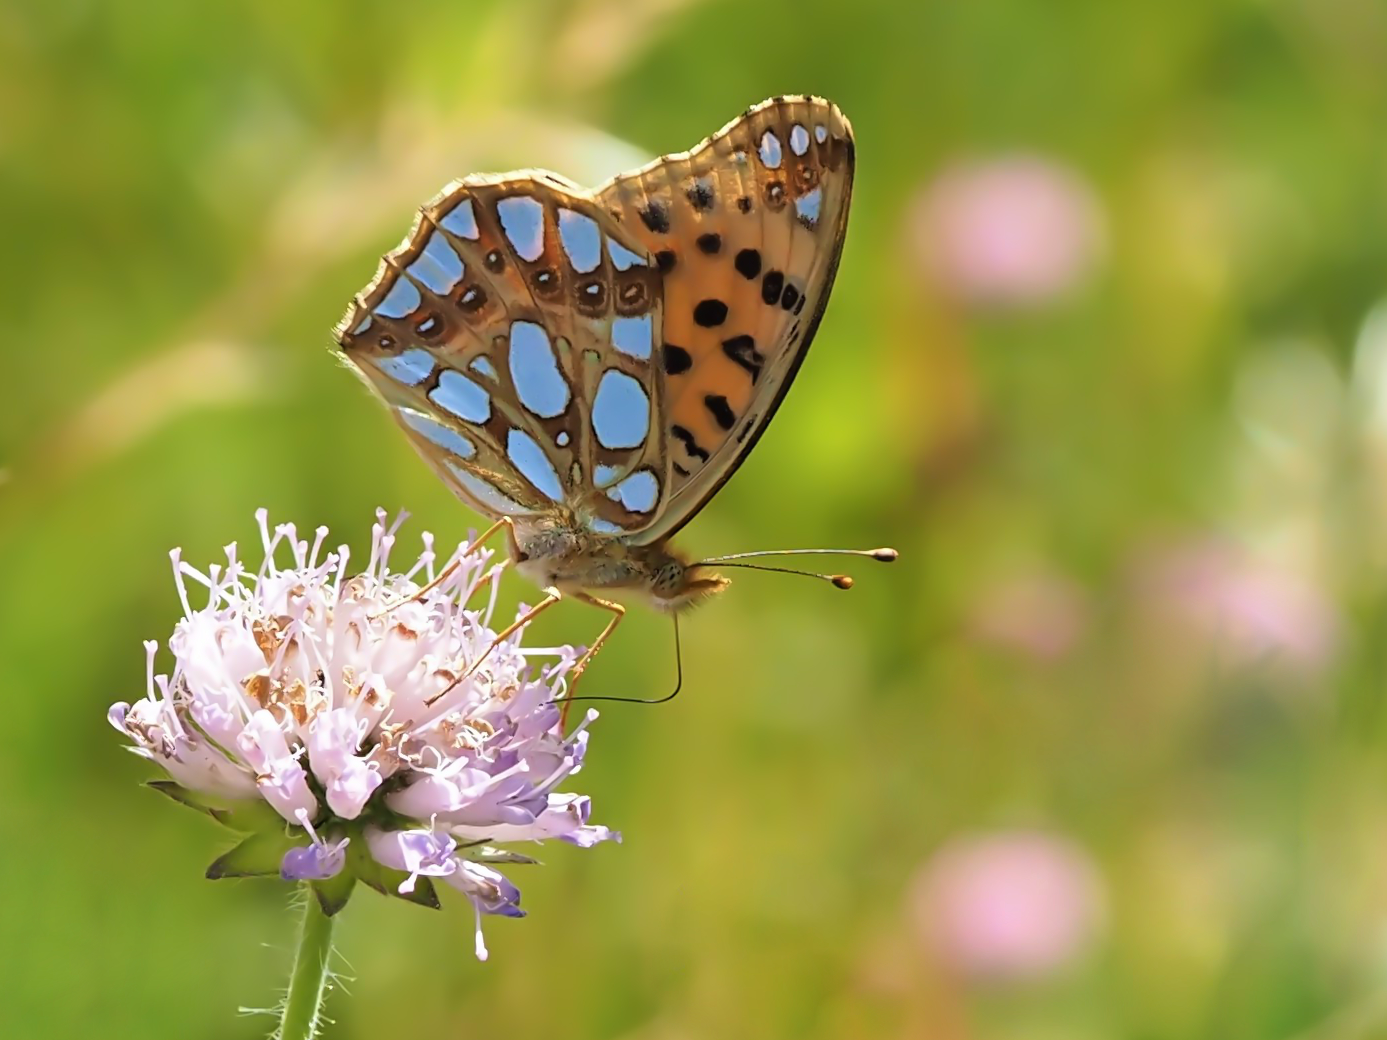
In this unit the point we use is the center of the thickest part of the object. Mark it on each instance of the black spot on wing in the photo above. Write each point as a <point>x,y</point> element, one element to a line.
<point>748,263</point>
<point>710,313</point>
<point>771,286</point>
<point>721,410</point>
<point>690,445</point>
<point>677,359</point>
<point>700,196</point>
<point>655,216</point>
<point>742,350</point>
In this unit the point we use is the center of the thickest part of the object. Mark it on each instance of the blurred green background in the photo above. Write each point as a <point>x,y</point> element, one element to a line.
<point>1103,756</point>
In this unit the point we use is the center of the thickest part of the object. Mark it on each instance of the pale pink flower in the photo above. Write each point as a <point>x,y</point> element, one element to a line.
<point>1015,230</point>
<point>376,713</point>
<point>1252,609</point>
<point>1008,906</point>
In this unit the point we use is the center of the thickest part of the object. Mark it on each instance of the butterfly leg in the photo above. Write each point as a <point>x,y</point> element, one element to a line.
<point>447,571</point>
<point>618,612</point>
<point>551,596</point>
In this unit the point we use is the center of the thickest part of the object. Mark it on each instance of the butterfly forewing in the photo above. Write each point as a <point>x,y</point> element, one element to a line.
<point>513,335</point>
<point>611,355</point>
<point>747,230</point>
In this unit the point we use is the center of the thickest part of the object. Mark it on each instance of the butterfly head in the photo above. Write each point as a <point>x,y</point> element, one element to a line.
<point>676,585</point>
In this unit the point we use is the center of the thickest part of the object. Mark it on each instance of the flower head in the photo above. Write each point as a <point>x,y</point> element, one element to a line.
<point>1253,609</point>
<point>1008,906</point>
<point>367,727</point>
<point>1013,231</point>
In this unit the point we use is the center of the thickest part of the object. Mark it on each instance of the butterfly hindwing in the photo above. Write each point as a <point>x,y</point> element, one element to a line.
<point>513,336</point>
<point>747,230</point>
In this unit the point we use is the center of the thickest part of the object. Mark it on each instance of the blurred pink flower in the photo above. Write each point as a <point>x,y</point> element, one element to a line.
<point>1009,906</point>
<point>1254,610</point>
<point>1038,614</point>
<point>1010,231</point>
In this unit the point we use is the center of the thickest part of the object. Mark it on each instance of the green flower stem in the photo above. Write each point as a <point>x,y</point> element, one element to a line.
<point>303,1005</point>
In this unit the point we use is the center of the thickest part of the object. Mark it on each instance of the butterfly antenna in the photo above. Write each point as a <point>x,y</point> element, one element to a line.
<point>839,581</point>
<point>678,681</point>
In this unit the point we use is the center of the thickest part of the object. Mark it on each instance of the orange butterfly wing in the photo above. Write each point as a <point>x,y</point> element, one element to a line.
<point>747,229</point>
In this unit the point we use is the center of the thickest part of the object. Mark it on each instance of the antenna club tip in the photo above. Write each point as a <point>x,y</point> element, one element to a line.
<point>840,581</point>
<point>885,554</point>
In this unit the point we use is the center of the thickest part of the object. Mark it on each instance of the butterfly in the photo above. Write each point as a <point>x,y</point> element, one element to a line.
<point>588,367</point>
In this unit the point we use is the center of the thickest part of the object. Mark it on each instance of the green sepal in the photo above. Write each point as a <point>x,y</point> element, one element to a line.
<point>247,817</point>
<point>423,894</point>
<point>387,881</point>
<point>255,816</point>
<point>259,855</point>
<point>192,799</point>
<point>332,893</point>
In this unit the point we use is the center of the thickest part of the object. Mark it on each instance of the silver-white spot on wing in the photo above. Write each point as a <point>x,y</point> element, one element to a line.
<point>522,219</point>
<point>620,411</point>
<point>534,369</point>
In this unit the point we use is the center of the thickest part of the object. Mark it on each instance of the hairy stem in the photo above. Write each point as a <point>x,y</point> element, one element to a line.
<point>303,1004</point>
